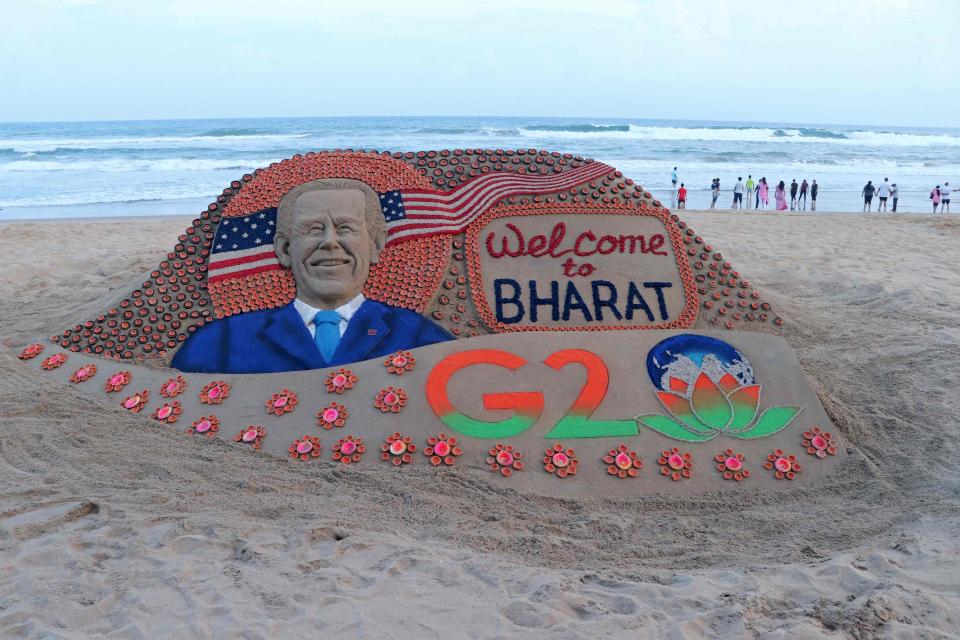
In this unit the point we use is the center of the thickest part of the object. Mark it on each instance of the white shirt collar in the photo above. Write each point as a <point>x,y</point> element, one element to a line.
<point>345,311</point>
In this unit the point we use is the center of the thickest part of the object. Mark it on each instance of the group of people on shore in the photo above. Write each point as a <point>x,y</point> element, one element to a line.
<point>884,191</point>
<point>756,195</point>
<point>941,196</point>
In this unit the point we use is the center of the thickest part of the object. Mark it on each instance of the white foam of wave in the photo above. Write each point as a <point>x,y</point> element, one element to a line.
<point>123,165</point>
<point>50,144</point>
<point>855,138</point>
<point>757,166</point>
<point>155,193</point>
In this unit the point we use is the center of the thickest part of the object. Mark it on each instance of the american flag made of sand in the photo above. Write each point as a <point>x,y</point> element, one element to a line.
<point>244,246</point>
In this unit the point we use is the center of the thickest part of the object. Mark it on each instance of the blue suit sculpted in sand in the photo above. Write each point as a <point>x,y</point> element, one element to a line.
<point>328,233</point>
<point>276,340</point>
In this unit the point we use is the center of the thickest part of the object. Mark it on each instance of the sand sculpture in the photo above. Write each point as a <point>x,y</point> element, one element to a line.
<point>531,316</point>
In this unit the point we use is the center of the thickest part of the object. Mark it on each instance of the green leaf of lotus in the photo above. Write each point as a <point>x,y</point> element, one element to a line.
<point>673,429</point>
<point>744,402</point>
<point>770,422</point>
<point>710,405</point>
<point>679,407</point>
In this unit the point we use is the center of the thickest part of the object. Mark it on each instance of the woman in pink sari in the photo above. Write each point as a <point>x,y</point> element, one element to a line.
<point>780,195</point>
<point>763,193</point>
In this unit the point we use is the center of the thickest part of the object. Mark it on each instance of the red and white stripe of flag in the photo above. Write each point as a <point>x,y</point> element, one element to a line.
<point>237,264</point>
<point>447,212</point>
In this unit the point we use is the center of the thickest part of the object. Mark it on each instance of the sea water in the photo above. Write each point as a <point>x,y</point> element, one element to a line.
<point>88,169</point>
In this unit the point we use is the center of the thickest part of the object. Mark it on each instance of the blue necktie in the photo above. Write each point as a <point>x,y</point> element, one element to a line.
<point>327,335</point>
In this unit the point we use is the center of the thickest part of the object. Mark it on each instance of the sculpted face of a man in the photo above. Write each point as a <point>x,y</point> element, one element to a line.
<point>328,246</point>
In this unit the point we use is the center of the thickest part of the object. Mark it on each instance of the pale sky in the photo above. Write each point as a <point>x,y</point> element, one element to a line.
<point>891,62</point>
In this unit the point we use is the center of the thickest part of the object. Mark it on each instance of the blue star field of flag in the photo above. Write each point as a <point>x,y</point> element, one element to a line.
<point>391,202</point>
<point>248,232</point>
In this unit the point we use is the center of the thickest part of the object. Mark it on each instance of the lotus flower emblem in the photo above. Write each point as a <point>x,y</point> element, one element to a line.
<point>708,388</point>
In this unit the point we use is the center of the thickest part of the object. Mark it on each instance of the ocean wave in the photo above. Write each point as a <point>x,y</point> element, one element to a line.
<point>124,165</point>
<point>578,128</point>
<point>805,135</point>
<point>117,197</point>
<point>41,145</point>
<point>756,166</point>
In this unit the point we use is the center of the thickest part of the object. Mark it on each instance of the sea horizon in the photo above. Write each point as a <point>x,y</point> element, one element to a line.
<point>79,169</point>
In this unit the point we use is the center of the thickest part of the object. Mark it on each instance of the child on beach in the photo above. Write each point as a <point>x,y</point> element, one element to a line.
<point>780,195</point>
<point>682,197</point>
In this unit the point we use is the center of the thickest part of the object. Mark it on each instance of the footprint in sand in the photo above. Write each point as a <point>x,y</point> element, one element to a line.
<point>26,524</point>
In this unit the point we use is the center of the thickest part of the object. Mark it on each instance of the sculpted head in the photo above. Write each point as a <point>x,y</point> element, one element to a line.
<point>328,233</point>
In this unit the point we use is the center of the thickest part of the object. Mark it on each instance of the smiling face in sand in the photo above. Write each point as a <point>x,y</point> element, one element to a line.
<point>328,236</point>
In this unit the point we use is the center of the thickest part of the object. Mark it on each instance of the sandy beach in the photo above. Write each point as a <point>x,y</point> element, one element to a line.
<point>111,526</point>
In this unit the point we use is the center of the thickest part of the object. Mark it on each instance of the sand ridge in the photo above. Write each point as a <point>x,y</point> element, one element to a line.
<point>110,524</point>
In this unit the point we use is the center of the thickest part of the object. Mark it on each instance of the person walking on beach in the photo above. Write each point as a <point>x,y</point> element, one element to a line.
<point>803,194</point>
<point>813,195</point>
<point>945,197</point>
<point>793,194</point>
<point>894,195</point>
<point>673,181</point>
<point>682,197</point>
<point>763,194</point>
<point>867,193</point>
<point>780,195</point>
<point>883,192</point>
<point>738,194</point>
<point>750,188</point>
<point>935,197</point>
<point>715,192</point>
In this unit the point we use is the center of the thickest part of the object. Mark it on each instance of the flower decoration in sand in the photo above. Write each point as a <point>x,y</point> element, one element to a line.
<point>305,448</point>
<point>348,450</point>
<point>560,462</point>
<point>205,425</point>
<point>169,412</point>
<point>332,415</point>
<point>505,459</point>
<point>676,464</point>
<point>252,435</point>
<point>730,465</point>
<point>54,361</point>
<point>391,400</point>
<point>31,351</point>
<point>782,465</point>
<point>400,362</point>
<point>173,387</point>
<point>819,443</point>
<point>282,402</point>
<point>84,373</point>
<point>214,392</point>
<point>442,449</point>
<point>117,381</point>
<point>136,402</point>
<point>398,449</point>
<point>622,462</point>
<point>708,388</point>
<point>340,380</point>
